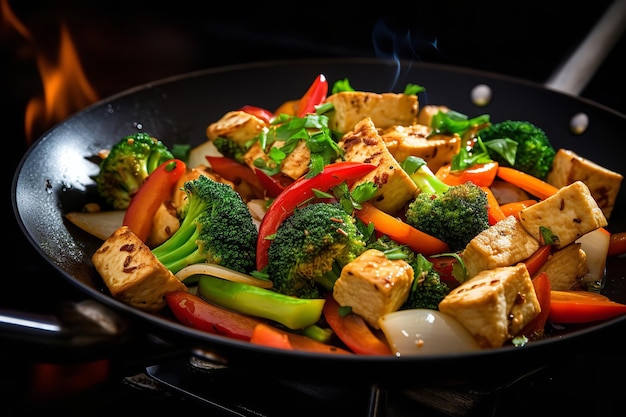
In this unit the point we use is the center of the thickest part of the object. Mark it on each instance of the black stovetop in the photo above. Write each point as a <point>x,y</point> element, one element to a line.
<point>125,45</point>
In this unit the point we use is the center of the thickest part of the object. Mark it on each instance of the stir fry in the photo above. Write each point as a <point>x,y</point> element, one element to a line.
<point>353,222</point>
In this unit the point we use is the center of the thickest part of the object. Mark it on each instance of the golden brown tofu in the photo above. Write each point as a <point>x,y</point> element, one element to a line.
<point>568,214</point>
<point>164,224</point>
<point>565,267</point>
<point>385,110</point>
<point>395,187</point>
<point>494,305</point>
<point>416,140</point>
<point>132,273</point>
<point>503,244</point>
<point>603,183</point>
<point>373,285</point>
<point>295,164</point>
<point>427,112</point>
<point>237,126</point>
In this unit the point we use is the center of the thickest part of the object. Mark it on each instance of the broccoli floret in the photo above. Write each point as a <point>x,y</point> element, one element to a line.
<point>229,148</point>
<point>392,249</point>
<point>452,213</point>
<point>216,227</point>
<point>534,154</point>
<point>427,289</point>
<point>126,167</point>
<point>310,247</point>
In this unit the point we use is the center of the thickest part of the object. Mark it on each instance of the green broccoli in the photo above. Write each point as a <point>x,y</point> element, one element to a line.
<point>392,249</point>
<point>229,148</point>
<point>534,153</point>
<point>216,227</point>
<point>427,289</point>
<point>126,167</point>
<point>454,214</point>
<point>311,247</point>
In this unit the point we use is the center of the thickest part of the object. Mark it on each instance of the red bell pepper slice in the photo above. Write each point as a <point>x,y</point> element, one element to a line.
<point>354,331</point>
<point>535,328</point>
<point>234,171</point>
<point>193,311</point>
<point>573,306</point>
<point>274,184</point>
<point>298,193</point>
<point>271,336</point>
<point>538,259</point>
<point>315,95</point>
<point>259,112</point>
<point>617,244</point>
<point>444,265</point>
<point>400,231</point>
<point>480,174</point>
<point>156,189</point>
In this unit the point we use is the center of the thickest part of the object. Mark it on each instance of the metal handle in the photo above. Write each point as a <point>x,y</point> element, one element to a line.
<point>573,75</point>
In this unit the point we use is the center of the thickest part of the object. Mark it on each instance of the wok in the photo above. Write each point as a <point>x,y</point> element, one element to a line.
<point>55,177</point>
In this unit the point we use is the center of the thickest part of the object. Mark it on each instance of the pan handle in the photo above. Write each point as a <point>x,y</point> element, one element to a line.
<point>77,328</point>
<point>574,73</point>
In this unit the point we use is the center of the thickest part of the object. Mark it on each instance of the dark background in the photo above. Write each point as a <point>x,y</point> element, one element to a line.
<point>122,44</point>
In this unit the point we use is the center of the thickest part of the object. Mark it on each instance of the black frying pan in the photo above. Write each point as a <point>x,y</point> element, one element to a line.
<point>54,178</point>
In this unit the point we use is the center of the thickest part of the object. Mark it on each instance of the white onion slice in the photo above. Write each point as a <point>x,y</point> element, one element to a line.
<point>595,244</point>
<point>221,272</point>
<point>425,332</point>
<point>100,224</point>
<point>197,155</point>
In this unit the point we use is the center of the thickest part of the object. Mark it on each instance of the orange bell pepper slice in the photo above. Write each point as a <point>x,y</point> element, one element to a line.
<point>400,231</point>
<point>535,328</point>
<point>573,306</point>
<point>480,174</point>
<point>494,212</point>
<point>527,182</point>
<point>354,331</point>
<point>514,207</point>
<point>270,336</point>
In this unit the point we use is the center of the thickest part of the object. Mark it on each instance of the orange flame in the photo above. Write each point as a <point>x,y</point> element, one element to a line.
<point>65,86</point>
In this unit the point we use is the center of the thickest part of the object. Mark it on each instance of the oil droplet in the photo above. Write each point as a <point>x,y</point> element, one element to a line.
<point>579,123</point>
<point>481,95</point>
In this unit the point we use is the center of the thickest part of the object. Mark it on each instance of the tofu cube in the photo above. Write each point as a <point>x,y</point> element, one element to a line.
<point>418,140</point>
<point>566,266</point>
<point>427,112</point>
<point>603,183</point>
<point>237,126</point>
<point>505,243</point>
<point>132,273</point>
<point>295,164</point>
<point>374,285</point>
<point>385,110</point>
<point>569,214</point>
<point>495,305</point>
<point>395,187</point>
